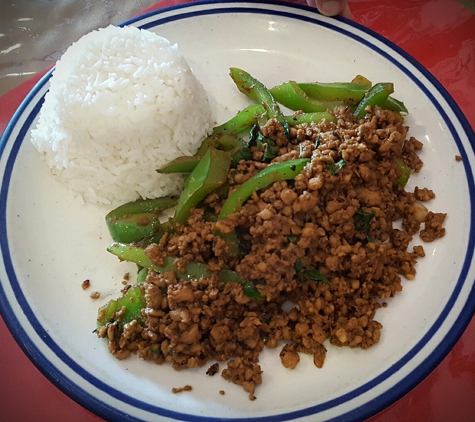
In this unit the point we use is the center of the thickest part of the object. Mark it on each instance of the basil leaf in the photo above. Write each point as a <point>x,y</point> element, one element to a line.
<point>299,269</point>
<point>318,141</point>
<point>291,238</point>
<point>271,150</point>
<point>243,154</point>
<point>336,167</point>
<point>362,220</point>
<point>298,265</point>
<point>255,137</point>
<point>251,292</point>
<point>316,276</point>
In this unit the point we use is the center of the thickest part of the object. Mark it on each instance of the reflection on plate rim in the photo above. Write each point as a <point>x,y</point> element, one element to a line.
<point>153,19</point>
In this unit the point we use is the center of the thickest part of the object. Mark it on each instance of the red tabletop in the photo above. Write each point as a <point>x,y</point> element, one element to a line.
<point>440,34</point>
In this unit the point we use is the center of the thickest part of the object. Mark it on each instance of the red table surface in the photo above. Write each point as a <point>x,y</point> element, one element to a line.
<point>440,34</point>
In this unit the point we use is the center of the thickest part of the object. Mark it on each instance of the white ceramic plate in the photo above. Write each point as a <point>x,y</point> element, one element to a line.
<point>50,243</point>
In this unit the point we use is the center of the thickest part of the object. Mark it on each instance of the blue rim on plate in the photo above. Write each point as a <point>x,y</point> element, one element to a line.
<point>28,111</point>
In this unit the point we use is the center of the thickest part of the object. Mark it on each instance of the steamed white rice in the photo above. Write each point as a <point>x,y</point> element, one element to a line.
<point>122,102</point>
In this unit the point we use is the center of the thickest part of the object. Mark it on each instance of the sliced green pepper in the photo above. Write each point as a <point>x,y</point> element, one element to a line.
<point>394,105</point>
<point>239,123</point>
<point>142,275</point>
<point>183,164</point>
<point>193,270</point>
<point>139,219</point>
<point>377,95</point>
<point>405,173</point>
<point>292,96</point>
<point>273,173</point>
<point>361,80</point>
<point>243,120</point>
<point>230,142</point>
<point>136,254</point>
<point>298,119</point>
<point>224,136</point>
<point>349,93</point>
<point>256,90</point>
<point>210,173</point>
<point>186,163</point>
<point>131,304</point>
<point>165,227</point>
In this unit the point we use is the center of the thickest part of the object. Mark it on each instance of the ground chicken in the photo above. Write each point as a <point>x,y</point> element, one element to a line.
<point>319,255</point>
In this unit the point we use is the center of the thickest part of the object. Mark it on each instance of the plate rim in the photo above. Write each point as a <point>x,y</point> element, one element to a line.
<point>79,395</point>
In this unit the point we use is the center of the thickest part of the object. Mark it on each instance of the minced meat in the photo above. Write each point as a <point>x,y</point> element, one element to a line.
<point>322,251</point>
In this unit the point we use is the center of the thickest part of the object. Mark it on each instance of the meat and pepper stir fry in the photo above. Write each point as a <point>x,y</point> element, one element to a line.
<point>287,240</point>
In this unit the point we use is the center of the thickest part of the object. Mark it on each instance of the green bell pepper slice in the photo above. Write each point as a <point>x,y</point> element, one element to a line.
<point>377,95</point>
<point>243,120</point>
<point>183,164</point>
<point>348,93</point>
<point>257,91</point>
<point>224,136</point>
<point>210,173</point>
<point>394,104</point>
<point>133,301</point>
<point>362,80</point>
<point>193,270</point>
<point>136,220</point>
<point>273,173</point>
<point>136,254</point>
<point>298,119</point>
<point>292,96</point>
<point>405,173</point>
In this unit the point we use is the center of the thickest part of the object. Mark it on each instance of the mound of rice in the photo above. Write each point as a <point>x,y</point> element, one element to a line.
<point>122,102</point>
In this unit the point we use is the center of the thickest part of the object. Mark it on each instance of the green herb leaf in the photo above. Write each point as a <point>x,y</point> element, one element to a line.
<point>298,265</point>
<point>256,138</point>
<point>316,276</point>
<point>251,291</point>
<point>291,238</point>
<point>318,141</point>
<point>243,154</point>
<point>336,167</point>
<point>362,220</point>
<point>271,150</point>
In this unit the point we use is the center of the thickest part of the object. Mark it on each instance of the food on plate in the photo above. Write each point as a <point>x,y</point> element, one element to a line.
<point>292,236</point>
<point>121,102</point>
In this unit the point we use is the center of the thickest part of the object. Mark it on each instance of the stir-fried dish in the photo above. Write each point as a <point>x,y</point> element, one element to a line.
<point>289,237</point>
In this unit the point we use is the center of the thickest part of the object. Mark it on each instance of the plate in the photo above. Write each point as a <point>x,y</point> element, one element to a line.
<point>50,243</point>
